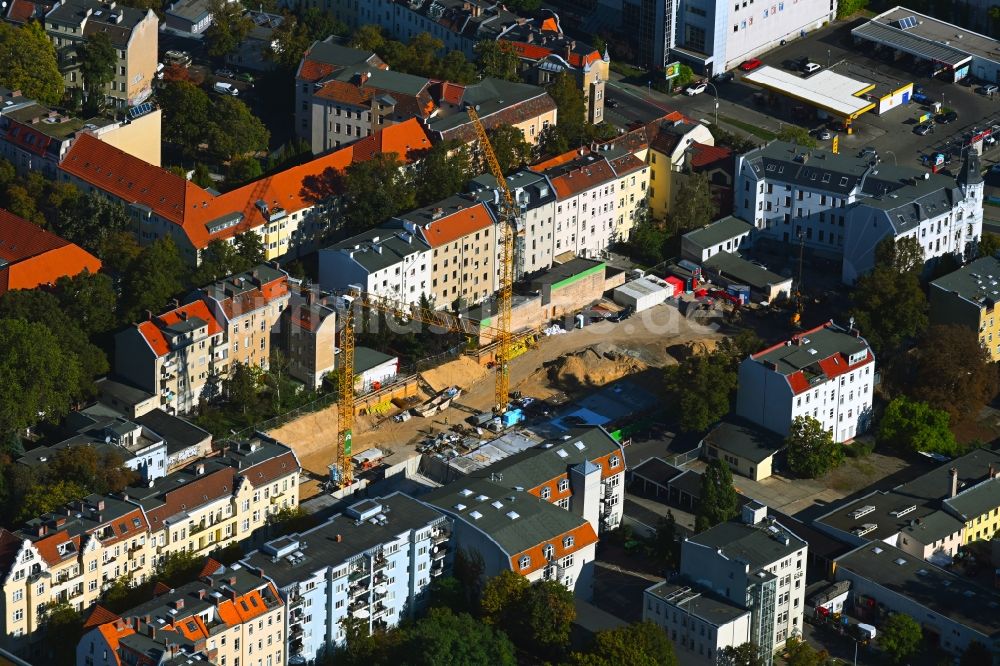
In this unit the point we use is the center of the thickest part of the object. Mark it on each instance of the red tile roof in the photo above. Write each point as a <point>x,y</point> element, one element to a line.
<point>152,330</point>
<point>99,615</point>
<point>191,207</point>
<point>583,536</point>
<point>457,224</point>
<point>36,257</point>
<point>703,154</point>
<point>583,178</point>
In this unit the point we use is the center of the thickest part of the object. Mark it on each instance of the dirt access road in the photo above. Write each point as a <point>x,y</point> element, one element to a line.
<point>643,339</point>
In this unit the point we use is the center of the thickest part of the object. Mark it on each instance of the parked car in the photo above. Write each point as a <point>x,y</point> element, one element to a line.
<point>181,58</point>
<point>723,77</point>
<point>945,118</point>
<point>811,68</point>
<point>988,89</point>
<point>246,77</point>
<point>225,73</point>
<point>920,98</point>
<point>824,134</point>
<point>225,89</point>
<point>612,103</point>
<point>751,64</point>
<point>923,128</point>
<point>696,88</point>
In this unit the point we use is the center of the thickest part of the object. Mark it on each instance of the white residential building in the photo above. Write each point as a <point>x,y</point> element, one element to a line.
<point>699,623</point>
<point>755,564</point>
<point>392,263</point>
<point>827,373</point>
<point>374,562</point>
<point>841,206</point>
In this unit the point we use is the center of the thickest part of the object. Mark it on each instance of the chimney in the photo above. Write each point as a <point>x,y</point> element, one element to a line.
<point>176,303</point>
<point>200,469</point>
<point>42,530</point>
<point>993,471</point>
<point>100,505</point>
<point>179,603</point>
<point>149,315</point>
<point>953,473</point>
<point>339,538</point>
<point>202,593</point>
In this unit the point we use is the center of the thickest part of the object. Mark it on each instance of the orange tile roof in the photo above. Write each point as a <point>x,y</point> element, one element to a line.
<point>244,608</point>
<point>457,224</point>
<point>36,257</point>
<point>113,635</point>
<point>100,615</point>
<point>191,207</point>
<point>209,487</point>
<point>48,547</point>
<point>583,536</point>
<point>582,179</point>
<point>703,154</point>
<point>559,160</point>
<point>211,566</point>
<point>314,70</point>
<point>152,330</point>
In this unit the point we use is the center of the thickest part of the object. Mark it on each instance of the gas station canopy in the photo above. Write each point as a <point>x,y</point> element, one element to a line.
<point>826,90</point>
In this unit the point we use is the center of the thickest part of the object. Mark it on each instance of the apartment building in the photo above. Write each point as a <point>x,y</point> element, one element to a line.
<point>826,373</point>
<point>841,206</point>
<point>291,210</point>
<point>968,297</point>
<point>374,562</point>
<point>753,563</point>
<point>461,235</point>
<point>308,336</point>
<point>248,306</point>
<point>586,196</point>
<point>633,188</point>
<point>31,257</point>
<point>71,555</point>
<point>700,624</point>
<point>219,501</point>
<point>134,34</point>
<point>670,139</point>
<point>536,201</point>
<point>497,102</point>
<point>391,263</point>
<point>951,610</point>
<point>546,53</point>
<point>231,615</point>
<point>513,530</point>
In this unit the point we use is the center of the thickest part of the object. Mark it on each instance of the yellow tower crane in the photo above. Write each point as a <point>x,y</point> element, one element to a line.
<point>501,334</point>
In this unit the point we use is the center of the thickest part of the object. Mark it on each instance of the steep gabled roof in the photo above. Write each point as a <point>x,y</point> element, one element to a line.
<point>31,256</point>
<point>152,330</point>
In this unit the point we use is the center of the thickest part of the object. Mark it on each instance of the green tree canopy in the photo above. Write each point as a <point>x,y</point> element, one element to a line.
<point>375,190</point>
<point>901,636</point>
<point>443,171</point>
<point>442,637</point>
<point>545,616</point>
<point>64,624</point>
<point>89,299</point>
<point>701,388</point>
<point>746,654</point>
<point>242,385</point>
<point>98,61</point>
<point>297,33</point>
<point>512,150</point>
<point>718,501</point>
<point>801,653</point>
<point>243,170</point>
<point>640,644</point>
<point>497,59</point>
<point>96,472</point>
<point>155,276</point>
<point>648,240</point>
<point>909,425</point>
<point>186,114</point>
<point>228,29</point>
<point>989,244</point>
<point>28,62</point>
<point>234,131</point>
<point>501,598</point>
<point>693,206</point>
<point>797,135</point>
<point>92,221</point>
<point>571,129</point>
<point>811,449</point>
<point>41,499</point>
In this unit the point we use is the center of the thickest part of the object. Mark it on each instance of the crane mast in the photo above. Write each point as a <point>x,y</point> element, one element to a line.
<point>505,241</point>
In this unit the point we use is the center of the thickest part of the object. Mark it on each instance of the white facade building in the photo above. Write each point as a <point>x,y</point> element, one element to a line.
<point>842,206</point>
<point>373,563</point>
<point>827,373</point>
<point>391,263</point>
<point>755,564</point>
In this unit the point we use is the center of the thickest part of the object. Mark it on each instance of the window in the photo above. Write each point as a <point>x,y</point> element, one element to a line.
<point>563,485</point>
<point>614,462</point>
<point>569,541</point>
<point>524,562</point>
<point>548,551</point>
<point>546,493</point>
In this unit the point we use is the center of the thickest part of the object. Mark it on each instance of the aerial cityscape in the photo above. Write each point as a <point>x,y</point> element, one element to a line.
<point>480,333</point>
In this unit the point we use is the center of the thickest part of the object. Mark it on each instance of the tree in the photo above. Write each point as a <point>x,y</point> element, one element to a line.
<point>202,175</point>
<point>951,370</point>
<point>648,240</point>
<point>288,520</point>
<point>572,110</point>
<point>178,568</point>
<point>903,255</point>
<point>375,190</point>
<point>297,33</point>
<point>976,654</point>
<point>811,449</point>
<point>443,171</point>
<point>155,276</point>
<point>250,249</point>
<point>39,379</point>
<point>501,598</point>
<point>901,636</point>
<point>41,499</point>
<point>665,546</point>
<point>368,37</point>
<point>92,221</point>
<point>242,385</point>
<point>847,8</point>
<point>545,616</point>
<point>889,305</point>
<point>234,131</point>
<point>229,27</point>
<point>989,244</point>
<point>497,59</point>
<point>909,425</point>
<point>718,501</point>
<point>64,624</point>
<point>186,113</point>
<point>243,170</point>
<point>746,654</point>
<point>443,637</point>
<point>512,150</point>
<point>797,135</point>
<point>98,61</point>
<point>456,68</point>
<point>640,644</point>
<point>28,62</point>
<point>693,206</point>
<point>738,144</point>
<point>86,467</point>
<point>801,653</point>
<point>700,389</point>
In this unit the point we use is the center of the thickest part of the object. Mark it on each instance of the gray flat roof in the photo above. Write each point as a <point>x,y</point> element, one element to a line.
<point>719,231</point>
<point>908,42</point>
<point>737,268</point>
<point>879,515</point>
<point>699,603</point>
<point>977,282</point>
<point>972,468</point>
<point>744,439</point>
<point>813,346</point>
<point>178,433</point>
<point>753,544</point>
<point>932,587</point>
<point>927,37</point>
<point>977,500</point>
<point>322,548</point>
<point>571,268</point>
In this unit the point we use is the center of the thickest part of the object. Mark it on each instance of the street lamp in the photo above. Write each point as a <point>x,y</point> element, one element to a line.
<point>715,92</point>
<point>829,59</point>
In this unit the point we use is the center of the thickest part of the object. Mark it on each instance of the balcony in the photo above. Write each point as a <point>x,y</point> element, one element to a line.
<point>440,537</point>
<point>357,605</point>
<point>296,631</point>
<point>357,590</point>
<point>358,575</point>
<point>195,529</point>
<point>380,610</point>
<point>379,563</point>
<point>438,553</point>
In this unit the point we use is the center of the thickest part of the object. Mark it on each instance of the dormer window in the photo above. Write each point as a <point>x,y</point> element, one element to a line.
<point>524,562</point>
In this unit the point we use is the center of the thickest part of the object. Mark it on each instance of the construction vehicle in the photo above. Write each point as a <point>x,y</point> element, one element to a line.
<point>501,334</point>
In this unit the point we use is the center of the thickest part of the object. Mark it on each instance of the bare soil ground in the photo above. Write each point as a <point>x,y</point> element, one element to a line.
<point>618,349</point>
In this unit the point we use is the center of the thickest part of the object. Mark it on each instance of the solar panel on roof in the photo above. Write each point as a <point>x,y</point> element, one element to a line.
<point>907,22</point>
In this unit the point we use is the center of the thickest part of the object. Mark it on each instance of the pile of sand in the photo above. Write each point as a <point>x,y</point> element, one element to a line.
<point>594,366</point>
<point>462,372</point>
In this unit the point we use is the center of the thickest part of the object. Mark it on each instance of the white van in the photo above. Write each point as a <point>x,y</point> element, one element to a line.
<point>811,67</point>
<point>225,88</point>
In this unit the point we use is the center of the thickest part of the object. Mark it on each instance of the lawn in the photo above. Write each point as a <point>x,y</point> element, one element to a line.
<point>758,132</point>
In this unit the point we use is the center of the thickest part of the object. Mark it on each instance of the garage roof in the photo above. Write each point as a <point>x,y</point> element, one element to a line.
<point>909,42</point>
<point>826,90</point>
